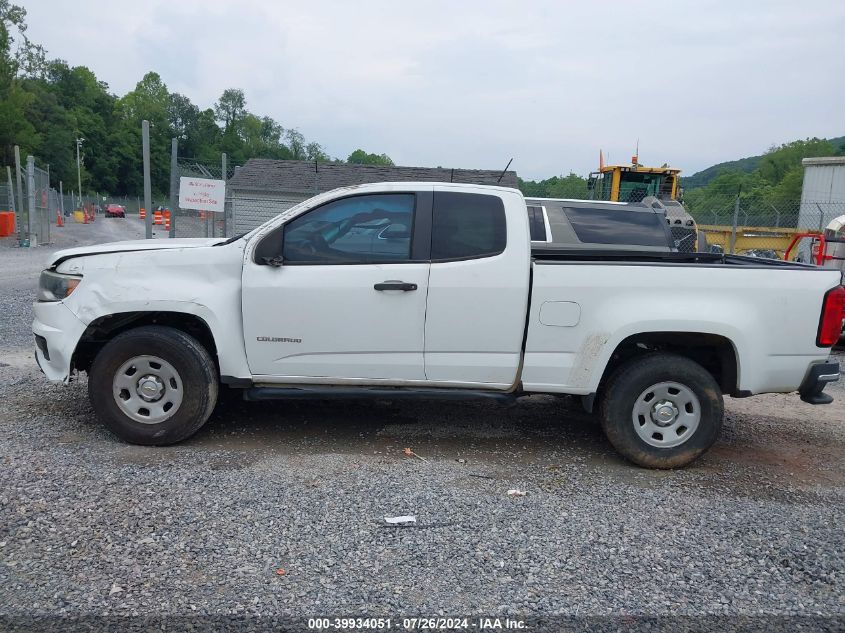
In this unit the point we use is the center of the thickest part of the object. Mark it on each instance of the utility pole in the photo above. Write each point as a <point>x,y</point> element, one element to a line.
<point>79,168</point>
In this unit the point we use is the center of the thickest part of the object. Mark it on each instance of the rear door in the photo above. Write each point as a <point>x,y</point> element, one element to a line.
<point>477,288</point>
<point>349,299</point>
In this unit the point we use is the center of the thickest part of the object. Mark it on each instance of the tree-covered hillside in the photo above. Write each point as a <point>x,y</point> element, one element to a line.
<point>743,165</point>
<point>45,105</point>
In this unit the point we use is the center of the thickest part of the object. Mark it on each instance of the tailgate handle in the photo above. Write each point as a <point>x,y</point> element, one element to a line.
<point>395,285</point>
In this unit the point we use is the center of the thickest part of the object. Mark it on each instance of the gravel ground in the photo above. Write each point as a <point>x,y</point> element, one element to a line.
<point>90,526</point>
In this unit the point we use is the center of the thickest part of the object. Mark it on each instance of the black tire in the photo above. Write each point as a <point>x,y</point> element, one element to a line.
<point>623,390</point>
<point>196,370</point>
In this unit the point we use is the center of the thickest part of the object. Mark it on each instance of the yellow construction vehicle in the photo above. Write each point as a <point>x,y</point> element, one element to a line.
<point>634,182</point>
<point>657,187</point>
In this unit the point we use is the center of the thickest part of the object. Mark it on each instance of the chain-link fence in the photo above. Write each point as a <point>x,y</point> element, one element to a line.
<point>42,196</point>
<point>8,227</point>
<point>37,207</point>
<point>6,200</point>
<point>193,223</point>
<point>762,229</point>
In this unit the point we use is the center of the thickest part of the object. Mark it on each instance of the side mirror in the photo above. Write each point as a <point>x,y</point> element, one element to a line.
<point>275,262</point>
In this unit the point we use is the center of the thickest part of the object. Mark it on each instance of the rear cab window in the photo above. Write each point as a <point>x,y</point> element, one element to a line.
<point>467,226</point>
<point>537,224</point>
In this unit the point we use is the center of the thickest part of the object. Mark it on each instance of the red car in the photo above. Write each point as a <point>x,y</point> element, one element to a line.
<point>115,211</point>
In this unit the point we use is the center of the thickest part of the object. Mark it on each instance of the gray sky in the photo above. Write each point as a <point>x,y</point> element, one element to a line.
<point>471,84</point>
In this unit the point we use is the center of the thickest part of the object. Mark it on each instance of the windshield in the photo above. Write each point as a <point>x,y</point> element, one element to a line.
<point>634,186</point>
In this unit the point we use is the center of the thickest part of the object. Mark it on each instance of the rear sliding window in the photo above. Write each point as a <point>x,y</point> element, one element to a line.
<point>536,224</point>
<point>467,225</point>
<point>604,226</point>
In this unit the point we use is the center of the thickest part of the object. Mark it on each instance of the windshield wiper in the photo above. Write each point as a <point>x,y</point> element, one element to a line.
<point>230,240</point>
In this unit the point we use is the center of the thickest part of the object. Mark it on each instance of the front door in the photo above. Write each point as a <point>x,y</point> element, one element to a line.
<point>348,300</point>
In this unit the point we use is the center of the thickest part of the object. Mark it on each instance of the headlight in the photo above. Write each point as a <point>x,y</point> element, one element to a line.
<point>54,286</point>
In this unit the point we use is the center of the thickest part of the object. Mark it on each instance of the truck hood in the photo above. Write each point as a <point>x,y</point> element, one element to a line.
<point>133,245</point>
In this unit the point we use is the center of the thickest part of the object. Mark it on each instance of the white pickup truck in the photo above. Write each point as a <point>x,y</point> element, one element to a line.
<point>432,290</point>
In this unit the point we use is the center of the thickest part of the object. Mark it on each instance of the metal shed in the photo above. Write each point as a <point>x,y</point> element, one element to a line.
<point>823,191</point>
<point>263,188</point>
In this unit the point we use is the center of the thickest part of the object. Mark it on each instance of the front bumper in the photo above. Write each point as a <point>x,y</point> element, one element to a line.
<point>811,389</point>
<point>59,330</point>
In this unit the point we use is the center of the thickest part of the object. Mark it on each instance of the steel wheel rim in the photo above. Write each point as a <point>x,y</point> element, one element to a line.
<point>666,414</point>
<point>147,389</point>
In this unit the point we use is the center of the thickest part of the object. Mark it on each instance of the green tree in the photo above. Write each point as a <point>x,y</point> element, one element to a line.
<point>296,144</point>
<point>149,101</point>
<point>182,116</point>
<point>14,101</point>
<point>230,107</point>
<point>360,157</point>
<point>570,186</point>
<point>780,160</point>
<point>315,151</point>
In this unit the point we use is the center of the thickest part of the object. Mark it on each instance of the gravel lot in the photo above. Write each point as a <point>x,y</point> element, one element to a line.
<point>90,526</point>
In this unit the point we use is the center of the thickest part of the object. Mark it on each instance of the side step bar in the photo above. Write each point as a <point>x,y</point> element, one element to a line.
<point>370,393</point>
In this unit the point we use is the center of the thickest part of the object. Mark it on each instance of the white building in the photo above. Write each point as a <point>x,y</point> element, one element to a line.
<point>823,192</point>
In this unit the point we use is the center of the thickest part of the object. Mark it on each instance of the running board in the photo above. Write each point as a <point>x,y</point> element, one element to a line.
<point>370,393</point>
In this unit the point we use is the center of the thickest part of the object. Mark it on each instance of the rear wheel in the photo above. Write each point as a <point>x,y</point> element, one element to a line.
<point>662,410</point>
<point>153,385</point>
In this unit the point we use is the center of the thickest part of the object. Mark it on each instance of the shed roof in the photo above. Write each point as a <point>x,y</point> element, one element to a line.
<point>824,160</point>
<point>301,176</point>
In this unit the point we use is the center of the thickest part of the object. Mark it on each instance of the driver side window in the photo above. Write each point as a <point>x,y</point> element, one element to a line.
<point>357,230</point>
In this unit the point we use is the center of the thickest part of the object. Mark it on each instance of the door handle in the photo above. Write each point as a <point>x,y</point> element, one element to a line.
<point>395,285</point>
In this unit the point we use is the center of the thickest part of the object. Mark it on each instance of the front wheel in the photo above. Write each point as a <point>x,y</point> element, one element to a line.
<point>153,385</point>
<point>662,410</point>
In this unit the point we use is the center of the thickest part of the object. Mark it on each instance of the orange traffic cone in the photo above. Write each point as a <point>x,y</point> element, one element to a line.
<point>59,220</point>
<point>167,222</point>
<point>143,213</point>
<point>84,217</point>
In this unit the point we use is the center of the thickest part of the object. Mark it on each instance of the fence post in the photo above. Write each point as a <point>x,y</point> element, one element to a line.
<point>224,161</point>
<point>61,200</point>
<point>145,149</point>
<point>30,195</point>
<point>13,207</point>
<point>21,205</point>
<point>821,216</point>
<point>174,183</point>
<point>234,223</point>
<point>736,220</point>
<point>777,215</point>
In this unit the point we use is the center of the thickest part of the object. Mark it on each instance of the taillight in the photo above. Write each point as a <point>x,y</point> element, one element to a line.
<point>833,311</point>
